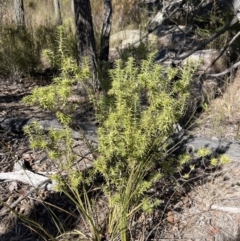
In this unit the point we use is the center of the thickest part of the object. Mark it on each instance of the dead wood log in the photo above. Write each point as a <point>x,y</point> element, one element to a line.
<point>193,144</point>
<point>217,146</point>
<point>16,125</point>
<point>27,177</point>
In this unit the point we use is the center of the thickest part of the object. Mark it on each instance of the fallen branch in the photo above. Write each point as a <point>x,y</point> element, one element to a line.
<point>27,177</point>
<point>9,124</point>
<point>225,71</point>
<point>207,41</point>
<point>225,209</point>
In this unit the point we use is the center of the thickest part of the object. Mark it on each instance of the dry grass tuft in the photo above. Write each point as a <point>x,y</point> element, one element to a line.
<point>221,118</point>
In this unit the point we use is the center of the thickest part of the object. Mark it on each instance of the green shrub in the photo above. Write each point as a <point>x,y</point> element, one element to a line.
<point>133,137</point>
<point>21,48</point>
<point>136,119</point>
<point>53,47</point>
<point>139,52</point>
<point>17,51</point>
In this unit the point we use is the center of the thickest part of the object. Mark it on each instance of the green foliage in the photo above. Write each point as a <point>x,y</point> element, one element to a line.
<point>206,152</point>
<point>136,119</point>
<point>52,53</point>
<point>214,161</point>
<point>21,48</point>
<point>57,143</point>
<point>138,53</point>
<point>17,51</point>
<point>224,159</point>
<point>60,89</point>
<point>183,160</point>
<point>203,152</point>
<point>133,135</point>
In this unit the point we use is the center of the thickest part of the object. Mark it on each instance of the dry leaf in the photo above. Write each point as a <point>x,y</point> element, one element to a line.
<point>170,217</point>
<point>213,231</point>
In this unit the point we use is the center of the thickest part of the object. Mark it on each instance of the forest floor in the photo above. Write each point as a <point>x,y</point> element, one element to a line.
<point>206,209</point>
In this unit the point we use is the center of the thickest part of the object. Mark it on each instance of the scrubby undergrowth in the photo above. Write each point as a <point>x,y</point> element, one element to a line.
<point>136,118</point>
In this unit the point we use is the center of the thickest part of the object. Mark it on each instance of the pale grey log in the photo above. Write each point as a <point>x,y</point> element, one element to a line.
<point>9,124</point>
<point>25,176</point>
<point>194,143</point>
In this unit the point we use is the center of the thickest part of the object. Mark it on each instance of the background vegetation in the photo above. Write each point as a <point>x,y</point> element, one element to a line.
<point>136,112</point>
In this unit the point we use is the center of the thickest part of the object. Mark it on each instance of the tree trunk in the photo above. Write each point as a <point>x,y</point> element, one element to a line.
<point>85,37</point>
<point>72,6</point>
<point>19,12</point>
<point>106,29</point>
<point>57,10</point>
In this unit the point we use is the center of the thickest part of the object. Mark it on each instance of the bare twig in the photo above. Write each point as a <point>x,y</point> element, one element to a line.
<point>223,50</point>
<point>167,16</point>
<point>225,71</point>
<point>207,41</point>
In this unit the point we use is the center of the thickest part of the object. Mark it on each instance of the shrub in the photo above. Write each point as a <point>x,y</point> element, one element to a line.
<point>17,51</point>
<point>21,48</point>
<point>136,119</point>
